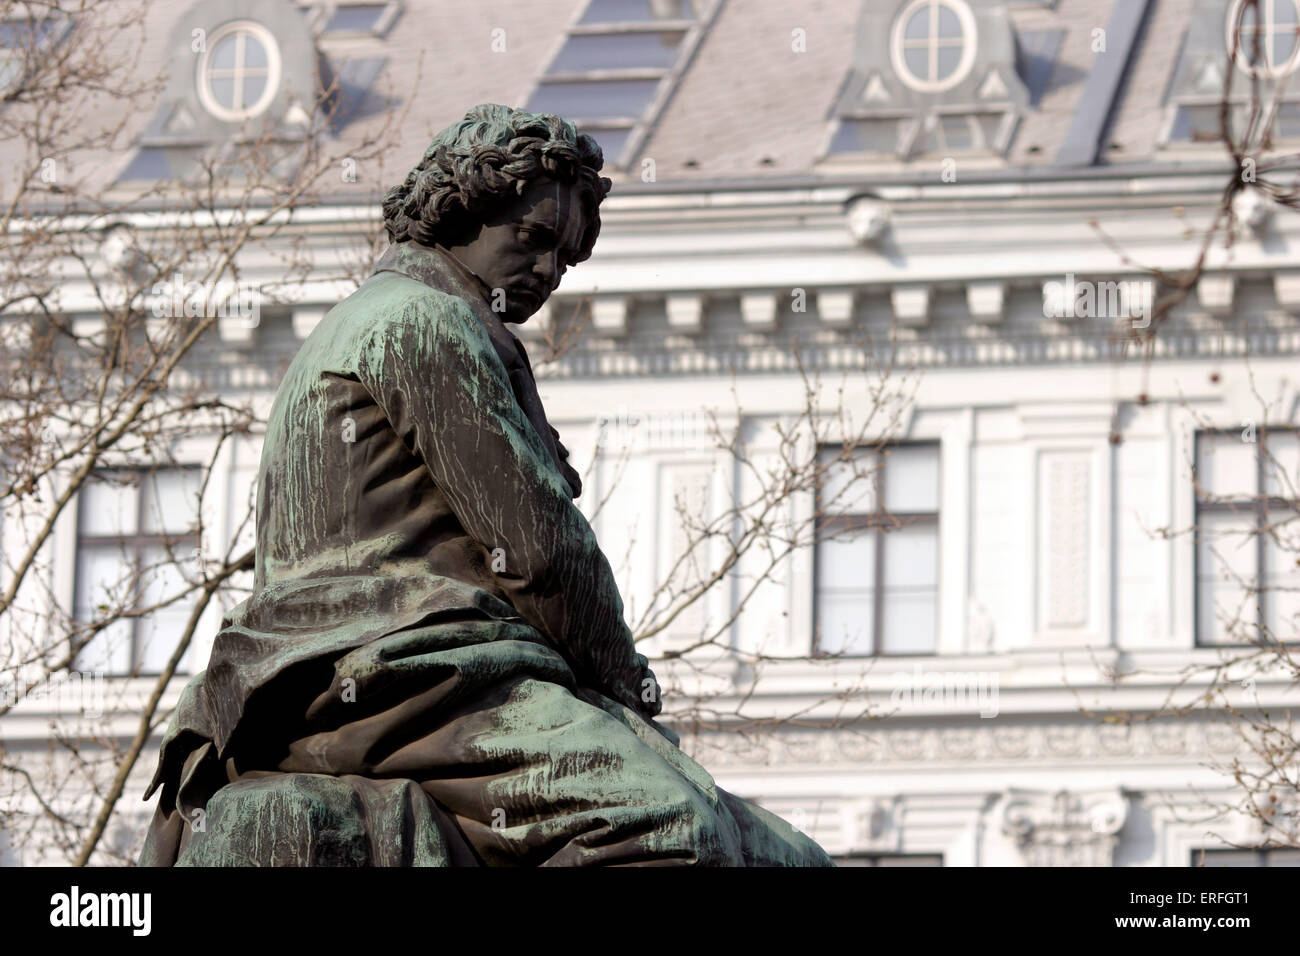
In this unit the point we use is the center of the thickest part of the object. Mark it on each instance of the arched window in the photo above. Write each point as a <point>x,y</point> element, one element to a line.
<point>1265,37</point>
<point>238,71</point>
<point>933,44</point>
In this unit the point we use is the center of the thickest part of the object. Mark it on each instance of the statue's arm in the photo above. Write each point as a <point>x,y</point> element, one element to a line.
<point>434,373</point>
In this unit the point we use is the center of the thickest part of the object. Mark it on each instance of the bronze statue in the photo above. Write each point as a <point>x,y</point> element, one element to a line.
<point>433,667</point>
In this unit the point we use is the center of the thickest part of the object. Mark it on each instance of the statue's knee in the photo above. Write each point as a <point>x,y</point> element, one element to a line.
<point>285,820</point>
<point>701,829</point>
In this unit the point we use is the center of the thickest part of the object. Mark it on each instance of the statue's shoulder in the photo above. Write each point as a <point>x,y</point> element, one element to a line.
<point>389,312</point>
<point>391,305</point>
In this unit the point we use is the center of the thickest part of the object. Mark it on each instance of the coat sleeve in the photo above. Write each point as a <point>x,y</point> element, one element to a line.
<point>433,371</point>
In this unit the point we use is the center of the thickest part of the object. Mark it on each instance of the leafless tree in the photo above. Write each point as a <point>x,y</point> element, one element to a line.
<point>102,388</point>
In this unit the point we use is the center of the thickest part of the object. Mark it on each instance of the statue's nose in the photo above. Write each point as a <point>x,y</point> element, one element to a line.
<point>548,268</point>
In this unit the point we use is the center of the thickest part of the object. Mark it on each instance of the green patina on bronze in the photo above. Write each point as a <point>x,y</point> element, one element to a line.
<point>389,694</point>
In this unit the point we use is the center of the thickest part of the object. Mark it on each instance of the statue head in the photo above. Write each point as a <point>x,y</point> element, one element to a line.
<point>515,196</point>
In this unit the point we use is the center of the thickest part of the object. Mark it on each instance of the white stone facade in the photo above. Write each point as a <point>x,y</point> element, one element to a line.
<point>1067,573</point>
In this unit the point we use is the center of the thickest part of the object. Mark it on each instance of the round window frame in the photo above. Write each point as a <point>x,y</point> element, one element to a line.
<point>1238,51</point>
<point>203,82</point>
<point>970,41</point>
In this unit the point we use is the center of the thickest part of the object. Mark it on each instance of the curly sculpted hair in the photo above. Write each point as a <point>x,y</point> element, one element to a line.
<point>476,166</point>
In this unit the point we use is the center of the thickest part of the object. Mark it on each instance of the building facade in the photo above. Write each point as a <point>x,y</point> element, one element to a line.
<point>954,222</point>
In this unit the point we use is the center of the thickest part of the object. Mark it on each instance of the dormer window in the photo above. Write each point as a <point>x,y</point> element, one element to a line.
<point>934,79</point>
<point>637,11</point>
<point>239,71</point>
<point>1265,36</point>
<point>933,44</point>
<point>1263,41</point>
<point>358,19</point>
<point>260,69</point>
<point>616,67</point>
<point>25,36</point>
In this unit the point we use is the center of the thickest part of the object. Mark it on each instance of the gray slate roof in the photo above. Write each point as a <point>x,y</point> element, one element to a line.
<point>746,107</point>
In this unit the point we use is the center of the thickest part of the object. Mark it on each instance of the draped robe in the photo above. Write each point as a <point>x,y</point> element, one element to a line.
<point>433,666</point>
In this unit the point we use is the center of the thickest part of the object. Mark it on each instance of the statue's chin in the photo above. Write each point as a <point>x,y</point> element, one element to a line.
<point>521,316</point>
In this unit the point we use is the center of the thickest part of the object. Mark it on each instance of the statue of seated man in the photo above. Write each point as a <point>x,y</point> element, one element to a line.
<point>433,666</point>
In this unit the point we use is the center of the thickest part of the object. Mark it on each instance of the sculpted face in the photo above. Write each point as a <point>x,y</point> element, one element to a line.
<point>525,248</point>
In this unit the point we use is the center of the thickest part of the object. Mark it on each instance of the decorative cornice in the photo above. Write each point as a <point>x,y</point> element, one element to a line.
<point>597,355</point>
<point>972,742</point>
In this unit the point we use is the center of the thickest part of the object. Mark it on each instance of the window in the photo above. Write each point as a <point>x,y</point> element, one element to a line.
<point>361,19</point>
<point>613,51</point>
<point>881,135</point>
<point>1203,122</point>
<point>946,133</point>
<point>1277,856</point>
<point>613,68</point>
<point>24,36</point>
<point>939,134</point>
<point>238,71</point>
<point>1247,541</point>
<point>890,859</point>
<point>1263,41</point>
<point>933,44</point>
<point>877,552</point>
<point>354,18</point>
<point>135,535</point>
<point>153,163</point>
<point>636,11</point>
<point>1264,38</point>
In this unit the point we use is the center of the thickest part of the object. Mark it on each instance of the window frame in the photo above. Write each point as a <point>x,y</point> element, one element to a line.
<point>1240,51</point>
<point>1200,855</point>
<point>1259,504</point>
<point>898,43</point>
<point>273,72</point>
<point>881,522</point>
<point>387,13</point>
<point>878,860</point>
<point>17,56</point>
<point>130,546</point>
